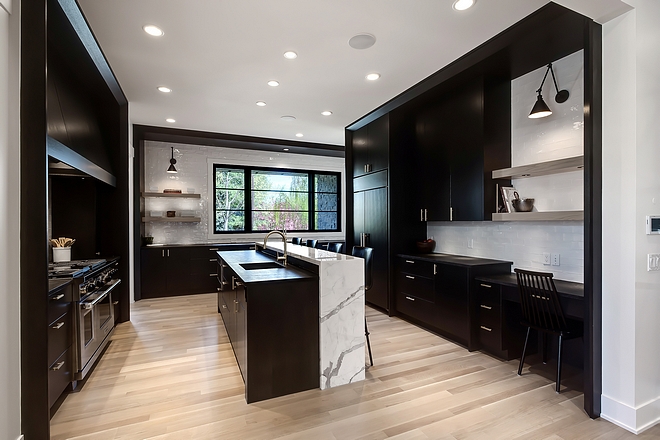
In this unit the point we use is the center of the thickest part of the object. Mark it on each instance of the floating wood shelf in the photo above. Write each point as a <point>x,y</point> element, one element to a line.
<point>172,219</point>
<point>180,195</point>
<point>541,169</point>
<point>538,216</point>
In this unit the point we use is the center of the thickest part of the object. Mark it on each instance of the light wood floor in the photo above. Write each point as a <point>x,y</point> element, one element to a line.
<point>170,374</point>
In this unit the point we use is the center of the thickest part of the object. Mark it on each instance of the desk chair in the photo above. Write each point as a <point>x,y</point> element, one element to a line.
<point>542,311</point>
<point>366,253</point>
<point>335,247</point>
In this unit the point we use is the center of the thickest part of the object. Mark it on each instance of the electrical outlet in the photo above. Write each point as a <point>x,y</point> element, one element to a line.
<point>555,259</point>
<point>546,258</point>
<point>653,262</point>
<point>470,243</point>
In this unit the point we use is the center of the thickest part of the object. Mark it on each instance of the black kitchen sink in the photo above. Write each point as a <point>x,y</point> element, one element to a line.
<point>263,265</point>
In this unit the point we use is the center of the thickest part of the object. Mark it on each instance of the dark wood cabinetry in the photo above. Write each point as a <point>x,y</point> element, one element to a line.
<point>60,337</point>
<point>370,147</point>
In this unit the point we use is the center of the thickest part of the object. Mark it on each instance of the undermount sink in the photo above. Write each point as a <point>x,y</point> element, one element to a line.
<point>263,265</point>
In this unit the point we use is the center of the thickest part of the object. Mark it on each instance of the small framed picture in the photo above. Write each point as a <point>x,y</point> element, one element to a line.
<point>507,196</point>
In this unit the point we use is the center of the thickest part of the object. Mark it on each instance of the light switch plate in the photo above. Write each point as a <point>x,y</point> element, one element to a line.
<point>546,258</point>
<point>555,259</point>
<point>653,262</point>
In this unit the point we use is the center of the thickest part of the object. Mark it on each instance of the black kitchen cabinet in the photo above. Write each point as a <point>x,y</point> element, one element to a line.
<point>452,288</point>
<point>371,229</point>
<point>370,147</point>
<point>60,338</point>
<point>415,290</point>
<point>177,270</point>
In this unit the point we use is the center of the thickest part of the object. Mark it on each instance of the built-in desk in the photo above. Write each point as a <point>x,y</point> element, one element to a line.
<point>498,313</point>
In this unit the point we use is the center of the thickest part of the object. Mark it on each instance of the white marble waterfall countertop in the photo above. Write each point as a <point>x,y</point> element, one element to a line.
<point>341,312</point>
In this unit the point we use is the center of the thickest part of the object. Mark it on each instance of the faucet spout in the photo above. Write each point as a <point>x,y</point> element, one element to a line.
<point>283,258</point>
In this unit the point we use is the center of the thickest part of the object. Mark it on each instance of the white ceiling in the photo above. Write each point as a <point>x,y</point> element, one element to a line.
<point>217,56</point>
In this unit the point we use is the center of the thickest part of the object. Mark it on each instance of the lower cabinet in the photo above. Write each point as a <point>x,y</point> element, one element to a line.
<point>60,337</point>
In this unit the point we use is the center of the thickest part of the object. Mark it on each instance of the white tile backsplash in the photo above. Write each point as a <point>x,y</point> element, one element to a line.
<point>192,166</point>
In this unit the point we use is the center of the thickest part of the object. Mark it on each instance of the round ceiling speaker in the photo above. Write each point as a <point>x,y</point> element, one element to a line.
<point>362,41</point>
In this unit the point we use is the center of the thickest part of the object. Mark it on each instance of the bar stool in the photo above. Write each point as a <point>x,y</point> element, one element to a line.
<point>366,253</point>
<point>335,247</point>
<point>296,240</point>
<point>311,242</point>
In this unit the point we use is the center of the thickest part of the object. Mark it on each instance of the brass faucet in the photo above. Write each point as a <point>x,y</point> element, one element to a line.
<point>283,235</point>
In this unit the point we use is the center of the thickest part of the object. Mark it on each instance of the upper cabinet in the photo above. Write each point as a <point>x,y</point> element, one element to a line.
<point>371,147</point>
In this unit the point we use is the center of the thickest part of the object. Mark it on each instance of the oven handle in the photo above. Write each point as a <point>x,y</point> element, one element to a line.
<point>89,305</point>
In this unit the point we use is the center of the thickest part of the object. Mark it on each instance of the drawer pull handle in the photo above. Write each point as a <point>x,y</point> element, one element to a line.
<point>224,265</point>
<point>214,249</point>
<point>410,261</point>
<point>213,274</point>
<point>224,306</point>
<point>60,296</point>
<point>114,303</point>
<point>483,327</point>
<point>213,260</point>
<point>409,277</point>
<point>483,306</point>
<point>58,366</point>
<point>485,285</point>
<point>58,326</point>
<point>410,299</point>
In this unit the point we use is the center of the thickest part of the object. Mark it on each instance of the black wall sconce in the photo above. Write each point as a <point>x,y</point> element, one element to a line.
<point>172,169</point>
<point>541,109</point>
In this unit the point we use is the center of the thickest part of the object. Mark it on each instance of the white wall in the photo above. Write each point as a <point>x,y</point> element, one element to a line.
<point>535,140</point>
<point>193,164</point>
<point>9,223</point>
<point>631,190</point>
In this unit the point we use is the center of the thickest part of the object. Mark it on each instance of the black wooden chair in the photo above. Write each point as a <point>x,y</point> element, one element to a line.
<point>311,243</point>
<point>335,247</point>
<point>542,311</point>
<point>367,254</point>
<point>296,240</point>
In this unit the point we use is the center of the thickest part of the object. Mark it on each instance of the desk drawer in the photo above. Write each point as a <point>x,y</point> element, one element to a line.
<point>490,337</point>
<point>417,286</point>
<point>417,267</point>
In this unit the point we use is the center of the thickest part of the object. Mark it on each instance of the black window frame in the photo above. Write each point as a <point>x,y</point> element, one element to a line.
<point>247,197</point>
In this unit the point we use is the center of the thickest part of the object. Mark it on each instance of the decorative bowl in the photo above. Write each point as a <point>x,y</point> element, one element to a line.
<point>425,247</point>
<point>523,205</point>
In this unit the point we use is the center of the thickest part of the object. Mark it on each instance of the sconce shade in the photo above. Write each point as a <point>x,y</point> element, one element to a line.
<point>540,109</point>
<point>172,169</point>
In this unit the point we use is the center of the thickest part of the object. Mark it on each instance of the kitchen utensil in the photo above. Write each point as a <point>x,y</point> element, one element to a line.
<point>522,205</point>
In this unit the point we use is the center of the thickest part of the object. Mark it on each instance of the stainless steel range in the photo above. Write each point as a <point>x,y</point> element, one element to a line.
<point>93,282</point>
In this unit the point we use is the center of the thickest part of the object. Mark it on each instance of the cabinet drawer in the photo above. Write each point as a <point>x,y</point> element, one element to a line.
<point>416,307</point>
<point>59,376</point>
<point>417,267</point>
<point>490,337</point>
<point>59,336</point>
<point>419,287</point>
<point>58,303</point>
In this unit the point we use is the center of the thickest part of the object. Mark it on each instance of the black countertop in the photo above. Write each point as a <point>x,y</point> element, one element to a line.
<point>57,283</point>
<point>458,260</point>
<point>567,288</point>
<point>235,258</point>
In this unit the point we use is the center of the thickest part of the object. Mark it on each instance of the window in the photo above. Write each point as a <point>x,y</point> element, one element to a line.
<point>250,199</point>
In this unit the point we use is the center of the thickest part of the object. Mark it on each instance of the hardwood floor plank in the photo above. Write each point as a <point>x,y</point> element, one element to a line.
<point>170,373</point>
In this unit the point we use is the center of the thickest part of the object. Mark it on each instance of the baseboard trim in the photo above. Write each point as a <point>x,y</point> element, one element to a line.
<point>634,419</point>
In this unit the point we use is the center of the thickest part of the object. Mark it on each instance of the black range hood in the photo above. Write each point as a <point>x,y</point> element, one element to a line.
<point>63,161</point>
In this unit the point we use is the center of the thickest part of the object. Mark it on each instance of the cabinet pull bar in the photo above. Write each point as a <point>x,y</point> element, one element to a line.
<point>224,283</point>
<point>426,217</point>
<point>58,366</point>
<point>238,283</point>
<point>409,298</point>
<point>451,214</point>
<point>224,306</point>
<point>213,260</point>
<point>162,252</point>
<point>58,326</point>
<point>214,249</point>
<point>483,306</point>
<point>483,327</point>
<point>409,277</point>
<point>168,252</point>
<point>60,296</point>
<point>485,285</point>
<point>213,274</point>
<point>421,215</point>
<point>410,261</point>
<point>224,265</point>
<point>435,269</point>
<point>114,303</point>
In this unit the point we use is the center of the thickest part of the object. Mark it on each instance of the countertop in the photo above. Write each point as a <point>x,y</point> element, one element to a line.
<point>458,260</point>
<point>568,288</point>
<point>311,255</point>
<point>57,283</point>
<point>235,258</point>
<point>209,245</point>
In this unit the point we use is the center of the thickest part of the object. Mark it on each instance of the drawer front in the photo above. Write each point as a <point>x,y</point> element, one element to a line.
<point>59,376</point>
<point>490,337</point>
<point>59,336</point>
<point>416,307</point>
<point>417,286</point>
<point>417,267</point>
<point>58,303</point>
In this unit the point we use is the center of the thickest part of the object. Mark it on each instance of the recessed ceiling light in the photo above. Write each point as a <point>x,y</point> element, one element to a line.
<point>164,89</point>
<point>326,113</point>
<point>273,83</point>
<point>290,55</point>
<point>362,41</point>
<point>462,5</point>
<point>153,30</point>
<point>288,118</point>
<point>373,76</point>
<point>299,135</point>
<point>285,149</point>
<point>261,103</point>
<point>170,120</point>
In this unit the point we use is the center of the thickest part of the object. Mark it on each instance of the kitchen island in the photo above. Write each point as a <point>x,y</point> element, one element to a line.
<point>330,288</point>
